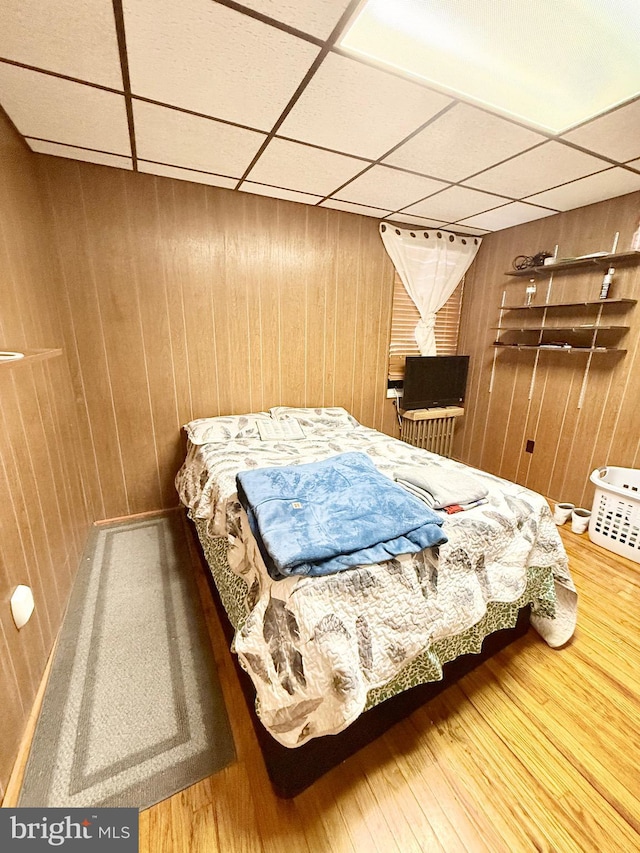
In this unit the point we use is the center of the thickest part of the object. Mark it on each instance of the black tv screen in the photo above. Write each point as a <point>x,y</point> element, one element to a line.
<point>439,380</point>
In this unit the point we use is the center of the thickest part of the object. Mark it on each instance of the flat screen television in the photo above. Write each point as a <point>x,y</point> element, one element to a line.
<point>439,380</point>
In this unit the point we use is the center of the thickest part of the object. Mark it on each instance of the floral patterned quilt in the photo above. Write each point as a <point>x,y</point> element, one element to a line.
<point>320,650</point>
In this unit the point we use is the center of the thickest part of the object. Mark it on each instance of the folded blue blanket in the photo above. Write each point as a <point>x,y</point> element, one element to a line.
<point>322,517</point>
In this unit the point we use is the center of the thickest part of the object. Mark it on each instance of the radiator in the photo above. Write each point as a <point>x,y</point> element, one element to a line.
<point>431,429</point>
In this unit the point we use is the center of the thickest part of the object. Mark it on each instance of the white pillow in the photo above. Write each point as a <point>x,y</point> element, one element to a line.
<point>334,416</point>
<point>225,428</point>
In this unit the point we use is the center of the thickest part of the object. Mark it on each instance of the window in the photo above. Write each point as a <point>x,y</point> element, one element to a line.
<point>404,319</point>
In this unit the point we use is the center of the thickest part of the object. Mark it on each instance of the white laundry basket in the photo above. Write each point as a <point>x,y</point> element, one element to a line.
<point>615,517</point>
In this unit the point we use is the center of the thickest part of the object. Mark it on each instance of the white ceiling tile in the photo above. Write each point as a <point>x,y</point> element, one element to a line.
<point>464,229</point>
<point>210,59</point>
<point>514,213</point>
<point>278,192</point>
<point>598,187</point>
<point>360,110</point>
<point>186,175</point>
<point>420,221</point>
<point>61,111</point>
<point>302,168</point>
<point>488,139</point>
<point>73,153</point>
<point>540,169</point>
<point>66,36</point>
<point>388,188</point>
<point>179,139</point>
<point>316,17</point>
<point>456,203</point>
<point>615,135</point>
<point>363,209</point>
<point>207,57</point>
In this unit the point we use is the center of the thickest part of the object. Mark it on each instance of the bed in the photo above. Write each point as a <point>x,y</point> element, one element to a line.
<point>333,660</point>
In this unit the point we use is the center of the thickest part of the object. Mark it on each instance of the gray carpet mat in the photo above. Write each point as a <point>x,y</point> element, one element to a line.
<point>133,710</point>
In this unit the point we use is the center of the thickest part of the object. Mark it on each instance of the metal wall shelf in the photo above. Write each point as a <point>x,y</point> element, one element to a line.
<point>599,261</point>
<point>29,357</point>
<point>540,306</point>
<point>550,348</point>
<point>554,338</point>
<point>584,328</point>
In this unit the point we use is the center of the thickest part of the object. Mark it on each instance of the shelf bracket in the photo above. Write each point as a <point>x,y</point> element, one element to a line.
<point>493,370</point>
<point>585,378</point>
<point>549,286</point>
<point>583,389</point>
<point>543,323</point>
<point>495,352</point>
<point>533,375</point>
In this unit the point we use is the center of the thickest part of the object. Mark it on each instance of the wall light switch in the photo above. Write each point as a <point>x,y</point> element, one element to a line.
<point>22,605</point>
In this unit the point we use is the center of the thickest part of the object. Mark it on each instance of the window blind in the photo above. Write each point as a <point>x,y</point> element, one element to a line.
<point>404,319</point>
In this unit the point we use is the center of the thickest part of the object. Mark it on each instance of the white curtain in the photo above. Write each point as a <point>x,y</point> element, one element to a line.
<point>430,264</point>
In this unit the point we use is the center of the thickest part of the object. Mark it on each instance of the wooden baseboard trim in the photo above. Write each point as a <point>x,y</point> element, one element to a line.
<point>14,784</point>
<point>139,516</point>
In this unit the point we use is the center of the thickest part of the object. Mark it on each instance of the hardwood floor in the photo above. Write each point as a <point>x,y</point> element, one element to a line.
<point>537,750</point>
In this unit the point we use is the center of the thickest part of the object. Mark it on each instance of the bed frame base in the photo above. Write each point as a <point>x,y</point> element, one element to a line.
<point>291,771</point>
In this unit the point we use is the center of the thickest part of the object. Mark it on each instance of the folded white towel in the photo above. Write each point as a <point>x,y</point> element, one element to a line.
<point>285,429</point>
<point>441,487</point>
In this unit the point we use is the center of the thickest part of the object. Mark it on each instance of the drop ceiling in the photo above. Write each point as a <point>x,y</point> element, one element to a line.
<point>259,97</point>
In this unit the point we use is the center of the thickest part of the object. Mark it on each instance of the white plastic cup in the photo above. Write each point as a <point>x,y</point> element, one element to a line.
<point>580,519</point>
<point>562,513</point>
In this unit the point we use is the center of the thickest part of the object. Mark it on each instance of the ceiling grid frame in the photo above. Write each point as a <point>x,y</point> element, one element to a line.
<point>610,169</point>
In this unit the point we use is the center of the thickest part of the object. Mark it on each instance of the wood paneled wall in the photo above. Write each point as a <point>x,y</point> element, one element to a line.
<point>43,513</point>
<point>184,301</point>
<point>569,441</point>
<point>174,301</point>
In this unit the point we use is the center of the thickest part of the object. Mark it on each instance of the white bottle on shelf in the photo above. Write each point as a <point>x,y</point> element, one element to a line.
<point>635,240</point>
<point>606,283</point>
